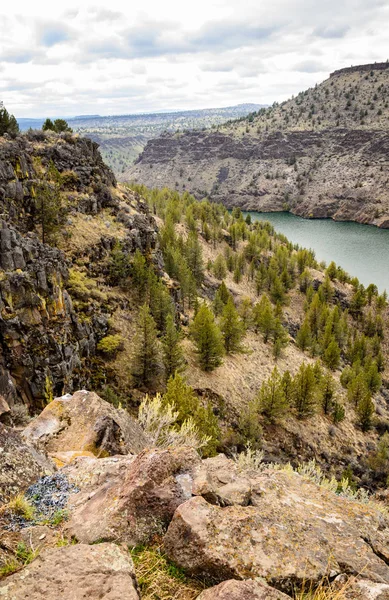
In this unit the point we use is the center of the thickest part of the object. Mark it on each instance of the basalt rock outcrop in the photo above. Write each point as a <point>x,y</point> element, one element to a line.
<point>323,154</point>
<point>47,347</point>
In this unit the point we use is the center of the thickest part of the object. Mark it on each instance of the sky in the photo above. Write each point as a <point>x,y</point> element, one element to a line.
<point>72,58</point>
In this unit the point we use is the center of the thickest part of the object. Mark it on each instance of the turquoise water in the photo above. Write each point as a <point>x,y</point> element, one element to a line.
<point>362,250</point>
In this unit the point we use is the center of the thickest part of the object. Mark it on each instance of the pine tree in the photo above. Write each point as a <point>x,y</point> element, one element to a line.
<point>8,123</point>
<point>280,338</point>
<point>304,337</point>
<point>327,390</point>
<point>194,257</point>
<point>271,399</point>
<point>181,396</point>
<point>221,298</point>
<point>365,411</point>
<point>48,203</point>
<point>357,389</point>
<point>208,339</point>
<point>264,320</point>
<point>231,328</point>
<point>219,267</point>
<point>146,363</point>
<point>331,356</point>
<point>304,391</point>
<point>173,356</point>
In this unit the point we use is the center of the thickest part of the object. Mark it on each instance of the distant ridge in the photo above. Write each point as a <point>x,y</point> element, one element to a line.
<point>362,68</point>
<point>322,154</point>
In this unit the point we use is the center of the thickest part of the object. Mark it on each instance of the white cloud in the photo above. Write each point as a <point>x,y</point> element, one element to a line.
<point>122,58</point>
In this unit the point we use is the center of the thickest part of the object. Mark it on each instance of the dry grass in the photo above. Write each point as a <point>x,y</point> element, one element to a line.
<point>159,579</point>
<point>19,505</point>
<point>324,591</point>
<point>84,231</point>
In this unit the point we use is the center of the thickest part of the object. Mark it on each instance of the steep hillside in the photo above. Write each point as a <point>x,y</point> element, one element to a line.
<point>321,154</point>
<point>61,216</point>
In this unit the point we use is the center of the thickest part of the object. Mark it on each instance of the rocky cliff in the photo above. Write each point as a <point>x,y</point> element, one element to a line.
<point>321,154</point>
<point>47,343</point>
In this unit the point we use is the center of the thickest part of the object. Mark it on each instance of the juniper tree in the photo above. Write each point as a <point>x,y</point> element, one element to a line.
<point>304,336</point>
<point>8,123</point>
<point>263,316</point>
<point>219,267</point>
<point>365,412</point>
<point>207,338</point>
<point>173,356</point>
<point>271,399</point>
<point>331,356</point>
<point>231,327</point>
<point>327,391</point>
<point>304,391</point>
<point>146,364</point>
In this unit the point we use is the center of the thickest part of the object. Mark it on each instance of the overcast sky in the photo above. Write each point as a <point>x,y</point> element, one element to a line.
<point>122,57</point>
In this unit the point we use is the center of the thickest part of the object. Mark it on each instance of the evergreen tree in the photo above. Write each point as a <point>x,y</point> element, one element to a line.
<point>331,356</point>
<point>146,363</point>
<point>271,399</point>
<point>48,203</point>
<point>304,391</point>
<point>231,327</point>
<point>264,319</point>
<point>194,257</point>
<point>365,411</point>
<point>287,386</point>
<point>173,356</point>
<point>220,267</point>
<point>119,265</point>
<point>208,339</point>
<point>327,390</point>
<point>221,298</point>
<point>181,396</point>
<point>304,336</point>
<point>8,123</point>
<point>357,389</point>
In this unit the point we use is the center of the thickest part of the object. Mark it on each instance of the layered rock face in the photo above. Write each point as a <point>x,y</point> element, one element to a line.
<point>46,346</point>
<point>316,155</point>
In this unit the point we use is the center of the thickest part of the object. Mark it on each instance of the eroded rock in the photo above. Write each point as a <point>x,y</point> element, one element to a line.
<point>20,464</point>
<point>292,531</point>
<point>138,503</point>
<point>84,422</point>
<point>75,572</point>
<point>242,590</point>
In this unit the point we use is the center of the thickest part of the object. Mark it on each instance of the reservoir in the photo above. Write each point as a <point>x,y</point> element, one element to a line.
<point>361,250</point>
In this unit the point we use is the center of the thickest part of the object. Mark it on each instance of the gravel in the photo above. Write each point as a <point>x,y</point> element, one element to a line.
<point>48,496</point>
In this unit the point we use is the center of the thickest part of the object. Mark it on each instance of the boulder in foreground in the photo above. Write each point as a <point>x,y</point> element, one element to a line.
<point>20,464</point>
<point>75,573</point>
<point>139,501</point>
<point>85,423</point>
<point>292,531</point>
<point>242,590</point>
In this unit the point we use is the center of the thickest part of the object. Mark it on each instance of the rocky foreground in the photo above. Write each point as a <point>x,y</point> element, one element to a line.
<point>245,532</point>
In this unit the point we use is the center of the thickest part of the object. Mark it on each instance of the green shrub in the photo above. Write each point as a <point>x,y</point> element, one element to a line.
<point>110,344</point>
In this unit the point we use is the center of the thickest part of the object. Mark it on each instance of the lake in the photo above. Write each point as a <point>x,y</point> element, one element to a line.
<point>362,250</point>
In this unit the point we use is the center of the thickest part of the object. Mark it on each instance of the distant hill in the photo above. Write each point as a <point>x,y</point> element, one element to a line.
<point>123,137</point>
<point>324,153</point>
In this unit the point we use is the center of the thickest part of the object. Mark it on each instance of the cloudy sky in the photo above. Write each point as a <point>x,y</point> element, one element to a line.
<point>121,57</point>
